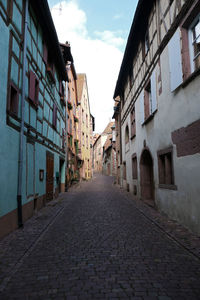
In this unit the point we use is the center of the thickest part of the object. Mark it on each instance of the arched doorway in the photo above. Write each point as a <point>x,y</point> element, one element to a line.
<point>146,177</point>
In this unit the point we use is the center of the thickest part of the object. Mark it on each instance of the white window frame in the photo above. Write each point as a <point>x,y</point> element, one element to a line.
<point>191,48</point>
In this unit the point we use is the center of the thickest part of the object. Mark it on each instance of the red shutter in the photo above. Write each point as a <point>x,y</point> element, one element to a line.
<point>45,53</point>
<point>54,115</point>
<point>32,79</point>
<point>36,91</point>
<point>185,54</point>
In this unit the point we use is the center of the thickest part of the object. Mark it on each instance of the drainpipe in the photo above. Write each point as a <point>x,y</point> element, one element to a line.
<point>21,144</point>
<point>66,138</point>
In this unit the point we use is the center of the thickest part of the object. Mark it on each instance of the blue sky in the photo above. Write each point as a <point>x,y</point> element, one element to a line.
<point>97,31</point>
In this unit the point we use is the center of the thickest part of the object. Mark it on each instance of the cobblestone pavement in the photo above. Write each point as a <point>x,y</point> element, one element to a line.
<point>97,242</point>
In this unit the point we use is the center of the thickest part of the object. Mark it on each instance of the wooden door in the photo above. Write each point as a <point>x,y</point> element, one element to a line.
<point>147,179</point>
<point>49,175</point>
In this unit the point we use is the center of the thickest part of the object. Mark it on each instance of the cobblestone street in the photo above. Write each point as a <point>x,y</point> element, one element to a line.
<point>97,242</point>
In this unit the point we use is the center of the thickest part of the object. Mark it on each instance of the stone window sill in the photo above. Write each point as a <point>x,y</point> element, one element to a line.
<point>168,186</point>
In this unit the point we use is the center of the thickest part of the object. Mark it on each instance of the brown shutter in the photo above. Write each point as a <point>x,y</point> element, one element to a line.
<point>45,53</point>
<point>185,54</point>
<point>32,79</point>
<point>54,115</point>
<point>36,91</point>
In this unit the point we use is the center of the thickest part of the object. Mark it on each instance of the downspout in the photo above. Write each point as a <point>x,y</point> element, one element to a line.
<point>66,138</point>
<point>21,144</point>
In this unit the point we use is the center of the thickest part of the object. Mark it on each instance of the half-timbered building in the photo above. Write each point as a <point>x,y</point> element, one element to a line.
<point>158,86</point>
<point>32,111</point>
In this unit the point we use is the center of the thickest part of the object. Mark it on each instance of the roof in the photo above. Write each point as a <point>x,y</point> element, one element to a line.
<point>96,138</point>
<point>137,32</point>
<point>41,9</point>
<point>66,52</point>
<point>108,129</point>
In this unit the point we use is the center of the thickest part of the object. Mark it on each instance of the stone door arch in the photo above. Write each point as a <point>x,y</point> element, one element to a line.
<point>147,177</point>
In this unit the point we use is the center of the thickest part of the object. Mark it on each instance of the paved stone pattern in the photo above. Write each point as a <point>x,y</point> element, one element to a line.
<point>100,243</point>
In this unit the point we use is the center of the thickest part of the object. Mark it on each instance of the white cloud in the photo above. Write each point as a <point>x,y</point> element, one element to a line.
<point>110,37</point>
<point>99,58</point>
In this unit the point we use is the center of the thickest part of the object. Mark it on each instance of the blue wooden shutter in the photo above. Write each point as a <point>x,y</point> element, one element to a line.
<point>141,99</point>
<point>175,62</point>
<point>153,92</point>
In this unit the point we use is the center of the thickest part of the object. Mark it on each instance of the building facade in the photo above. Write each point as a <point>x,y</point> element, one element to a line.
<point>109,154</point>
<point>158,86</point>
<point>85,127</point>
<point>72,144</point>
<point>32,111</point>
<point>98,150</point>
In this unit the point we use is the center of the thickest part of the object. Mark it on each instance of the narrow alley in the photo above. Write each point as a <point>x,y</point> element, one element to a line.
<point>96,242</point>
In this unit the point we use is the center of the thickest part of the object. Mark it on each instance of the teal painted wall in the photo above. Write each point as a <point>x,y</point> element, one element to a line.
<point>39,119</point>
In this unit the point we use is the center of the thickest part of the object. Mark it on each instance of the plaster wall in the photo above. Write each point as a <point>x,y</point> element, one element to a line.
<point>38,120</point>
<point>174,110</point>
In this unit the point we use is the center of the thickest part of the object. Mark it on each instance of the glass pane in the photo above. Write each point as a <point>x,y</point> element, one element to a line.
<point>197,32</point>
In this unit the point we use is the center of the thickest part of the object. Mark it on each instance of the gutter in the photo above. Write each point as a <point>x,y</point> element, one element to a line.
<point>21,144</point>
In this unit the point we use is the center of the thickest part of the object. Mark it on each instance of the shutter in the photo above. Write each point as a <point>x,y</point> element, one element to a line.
<point>146,104</point>
<point>32,79</point>
<point>175,61</point>
<point>45,53</point>
<point>54,115</point>
<point>153,92</point>
<point>185,53</point>
<point>36,91</point>
<point>141,108</point>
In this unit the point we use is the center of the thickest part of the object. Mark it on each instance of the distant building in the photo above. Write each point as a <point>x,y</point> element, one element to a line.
<point>159,109</point>
<point>85,127</point>
<point>72,142</point>
<point>98,147</point>
<point>109,154</point>
<point>32,114</point>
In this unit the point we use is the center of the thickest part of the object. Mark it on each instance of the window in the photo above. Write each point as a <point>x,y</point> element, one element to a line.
<point>55,116</point>
<point>134,166</point>
<point>45,53</point>
<point>147,100</point>
<point>33,88</point>
<point>145,44</point>
<point>150,97</point>
<point>133,125</point>
<point>131,78</point>
<point>61,91</point>
<point>165,168</point>
<point>63,139</point>
<point>127,135</point>
<point>194,40</point>
<point>13,100</point>
<point>190,41</point>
